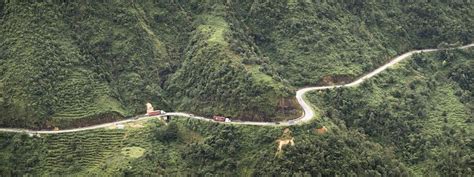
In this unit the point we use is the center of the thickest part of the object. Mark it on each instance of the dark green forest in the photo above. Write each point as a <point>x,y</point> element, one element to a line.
<point>190,147</point>
<point>69,64</point>
<point>422,109</point>
<point>414,119</point>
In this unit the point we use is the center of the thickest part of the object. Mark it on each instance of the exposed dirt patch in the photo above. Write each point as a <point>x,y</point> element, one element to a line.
<point>100,118</point>
<point>285,139</point>
<point>136,125</point>
<point>321,130</point>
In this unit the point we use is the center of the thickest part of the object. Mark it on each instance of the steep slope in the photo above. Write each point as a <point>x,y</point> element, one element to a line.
<point>213,80</point>
<point>72,64</point>
<point>42,74</point>
<point>69,65</point>
<point>192,147</point>
<point>422,109</point>
<point>412,120</point>
<point>313,43</point>
<point>120,48</point>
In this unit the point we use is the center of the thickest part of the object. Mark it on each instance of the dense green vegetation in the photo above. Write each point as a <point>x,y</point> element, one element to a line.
<point>218,82</point>
<point>194,147</point>
<point>320,43</point>
<point>73,64</point>
<point>413,120</point>
<point>64,153</point>
<point>64,62</point>
<point>422,109</point>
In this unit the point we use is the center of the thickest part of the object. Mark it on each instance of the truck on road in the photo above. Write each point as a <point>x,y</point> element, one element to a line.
<point>218,118</point>
<point>221,119</point>
<point>155,113</point>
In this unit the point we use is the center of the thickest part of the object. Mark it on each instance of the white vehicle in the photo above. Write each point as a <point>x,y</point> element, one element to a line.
<point>120,126</point>
<point>227,120</point>
<point>291,122</point>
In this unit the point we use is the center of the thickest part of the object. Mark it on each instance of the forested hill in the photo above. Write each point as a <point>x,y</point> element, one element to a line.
<point>73,64</point>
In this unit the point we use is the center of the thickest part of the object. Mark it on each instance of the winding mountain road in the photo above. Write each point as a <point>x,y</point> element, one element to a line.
<point>308,113</point>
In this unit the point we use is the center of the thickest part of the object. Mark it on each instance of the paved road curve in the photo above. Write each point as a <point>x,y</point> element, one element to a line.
<point>307,115</point>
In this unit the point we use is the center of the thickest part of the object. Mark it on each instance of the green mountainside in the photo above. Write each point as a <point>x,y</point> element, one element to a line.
<point>191,147</point>
<point>414,119</point>
<point>320,43</point>
<point>74,64</point>
<point>422,109</point>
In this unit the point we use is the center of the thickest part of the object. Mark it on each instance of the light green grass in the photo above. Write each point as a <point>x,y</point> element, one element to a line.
<point>262,77</point>
<point>214,26</point>
<point>133,152</point>
<point>445,102</point>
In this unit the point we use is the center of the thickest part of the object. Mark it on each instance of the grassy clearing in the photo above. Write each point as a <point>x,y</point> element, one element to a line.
<point>264,78</point>
<point>215,27</point>
<point>133,152</point>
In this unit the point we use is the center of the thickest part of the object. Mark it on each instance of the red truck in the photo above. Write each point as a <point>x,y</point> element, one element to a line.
<point>219,118</point>
<point>155,113</point>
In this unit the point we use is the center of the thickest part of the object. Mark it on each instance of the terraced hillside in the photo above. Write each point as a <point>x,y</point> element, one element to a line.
<point>69,64</point>
<point>185,147</point>
<point>85,152</point>
<point>412,120</point>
